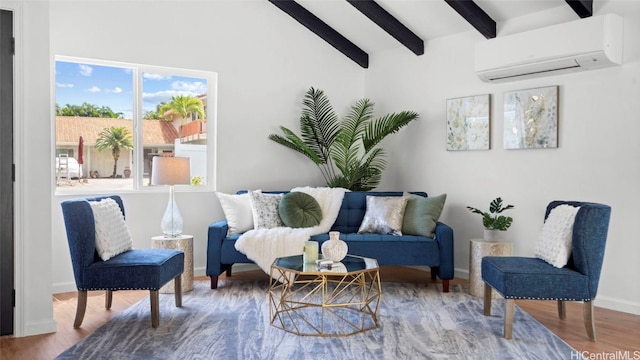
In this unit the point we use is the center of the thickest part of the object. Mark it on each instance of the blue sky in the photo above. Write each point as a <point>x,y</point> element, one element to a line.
<point>113,87</point>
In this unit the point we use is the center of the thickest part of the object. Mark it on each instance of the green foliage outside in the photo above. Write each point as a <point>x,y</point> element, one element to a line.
<point>491,220</point>
<point>115,139</point>
<point>183,105</point>
<point>87,110</point>
<point>345,151</point>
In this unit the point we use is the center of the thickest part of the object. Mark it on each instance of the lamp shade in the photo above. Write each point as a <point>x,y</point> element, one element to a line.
<point>170,171</point>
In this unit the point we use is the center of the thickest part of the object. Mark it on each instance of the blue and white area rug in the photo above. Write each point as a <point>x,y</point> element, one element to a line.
<point>417,321</point>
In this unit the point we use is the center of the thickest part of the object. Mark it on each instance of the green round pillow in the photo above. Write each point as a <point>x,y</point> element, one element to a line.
<point>299,210</point>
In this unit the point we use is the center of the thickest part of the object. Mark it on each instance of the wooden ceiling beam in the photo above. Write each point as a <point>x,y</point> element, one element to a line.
<point>475,16</point>
<point>390,24</point>
<point>326,32</point>
<point>584,8</point>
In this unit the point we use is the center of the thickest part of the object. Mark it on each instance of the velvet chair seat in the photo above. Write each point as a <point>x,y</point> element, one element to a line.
<point>136,269</point>
<point>532,278</point>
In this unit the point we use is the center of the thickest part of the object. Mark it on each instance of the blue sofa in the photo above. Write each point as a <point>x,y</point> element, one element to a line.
<point>405,250</point>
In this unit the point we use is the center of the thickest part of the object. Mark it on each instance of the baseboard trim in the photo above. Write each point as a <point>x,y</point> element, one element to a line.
<point>63,287</point>
<point>618,305</point>
<point>42,327</point>
<point>461,273</point>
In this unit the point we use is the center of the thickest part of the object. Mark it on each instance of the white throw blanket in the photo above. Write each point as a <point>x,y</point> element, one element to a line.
<point>263,246</point>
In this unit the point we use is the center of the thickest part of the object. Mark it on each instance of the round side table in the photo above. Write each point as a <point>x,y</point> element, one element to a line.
<point>479,248</point>
<point>180,242</point>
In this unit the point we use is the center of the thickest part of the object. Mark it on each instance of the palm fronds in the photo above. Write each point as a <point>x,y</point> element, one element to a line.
<point>348,145</point>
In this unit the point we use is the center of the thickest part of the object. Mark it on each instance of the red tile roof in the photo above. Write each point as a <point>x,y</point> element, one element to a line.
<point>70,128</point>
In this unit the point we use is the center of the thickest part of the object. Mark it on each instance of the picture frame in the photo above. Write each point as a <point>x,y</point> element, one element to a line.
<point>531,118</point>
<point>468,123</point>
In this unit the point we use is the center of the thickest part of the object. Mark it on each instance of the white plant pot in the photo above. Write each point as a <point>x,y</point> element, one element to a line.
<point>491,235</point>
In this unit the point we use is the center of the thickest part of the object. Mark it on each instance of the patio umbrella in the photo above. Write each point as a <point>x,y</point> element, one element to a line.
<point>80,156</point>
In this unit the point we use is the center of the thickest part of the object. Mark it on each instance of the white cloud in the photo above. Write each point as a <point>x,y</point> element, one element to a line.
<point>116,90</point>
<point>63,85</point>
<point>165,95</point>
<point>94,89</point>
<point>198,87</point>
<point>150,76</point>
<point>85,70</point>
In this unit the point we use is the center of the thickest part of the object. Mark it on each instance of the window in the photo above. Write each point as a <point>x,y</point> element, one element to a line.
<point>112,119</point>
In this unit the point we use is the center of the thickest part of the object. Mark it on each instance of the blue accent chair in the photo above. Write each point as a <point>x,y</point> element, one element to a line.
<point>532,278</point>
<point>136,269</point>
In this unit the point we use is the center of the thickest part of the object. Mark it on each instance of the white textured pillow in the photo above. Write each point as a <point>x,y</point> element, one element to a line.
<point>265,210</point>
<point>112,234</point>
<point>554,243</point>
<point>237,211</point>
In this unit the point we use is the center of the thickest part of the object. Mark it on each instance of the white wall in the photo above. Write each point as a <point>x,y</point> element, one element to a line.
<point>597,157</point>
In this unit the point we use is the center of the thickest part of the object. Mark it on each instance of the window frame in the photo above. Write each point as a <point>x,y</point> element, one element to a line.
<point>137,168</point>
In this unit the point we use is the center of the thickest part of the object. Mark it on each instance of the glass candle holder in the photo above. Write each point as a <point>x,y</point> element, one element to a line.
<point>310,254</point>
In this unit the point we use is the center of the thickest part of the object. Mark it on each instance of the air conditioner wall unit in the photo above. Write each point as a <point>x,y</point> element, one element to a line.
<point>586,44</point>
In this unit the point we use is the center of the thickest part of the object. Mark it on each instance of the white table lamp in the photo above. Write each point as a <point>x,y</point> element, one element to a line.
<point>171,171</point>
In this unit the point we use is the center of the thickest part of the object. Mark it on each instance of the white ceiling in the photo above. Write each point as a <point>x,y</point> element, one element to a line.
<point>426,18</point>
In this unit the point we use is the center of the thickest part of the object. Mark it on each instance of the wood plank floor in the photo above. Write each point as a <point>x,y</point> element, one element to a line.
<point>616,331</point>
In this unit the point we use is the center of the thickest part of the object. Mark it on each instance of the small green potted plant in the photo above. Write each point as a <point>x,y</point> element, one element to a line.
<point>492,220</point>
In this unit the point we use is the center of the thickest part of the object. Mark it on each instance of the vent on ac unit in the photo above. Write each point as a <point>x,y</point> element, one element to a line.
<point>585,44</point>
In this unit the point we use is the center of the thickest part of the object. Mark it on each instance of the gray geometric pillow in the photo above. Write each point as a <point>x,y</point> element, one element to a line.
<point>265,210</point>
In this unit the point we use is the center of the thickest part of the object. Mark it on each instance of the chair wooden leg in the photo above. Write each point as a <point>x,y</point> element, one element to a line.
<point>508,318</point>
<point>445,286</point>
<point>214,282</point>
<point>177,281</point>
<point>155,308</point>
<point>229,271</point>
<point>589,320</point>
<point>108,299</point>
<point>487,299</point>
<point>80,309</point>
<point>562,310</point>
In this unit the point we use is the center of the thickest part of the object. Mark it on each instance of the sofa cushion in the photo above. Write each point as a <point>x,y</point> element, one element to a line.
<point>237,211</point>
<point>421,214</point>
<point>112,235</point>
<point>299,210</point>
<point>265,210</point>
<point>383,215</point>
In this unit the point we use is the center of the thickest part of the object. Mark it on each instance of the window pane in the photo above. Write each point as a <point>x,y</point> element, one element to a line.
<point>174,121</point>
<point>94,126</point>
<point>112,119</point>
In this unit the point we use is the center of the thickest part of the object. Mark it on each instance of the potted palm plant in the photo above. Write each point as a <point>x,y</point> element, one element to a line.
<point>492,220</point>
<point>346,151</point>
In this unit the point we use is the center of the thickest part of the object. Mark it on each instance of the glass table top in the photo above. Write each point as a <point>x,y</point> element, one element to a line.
<point>350,263</point>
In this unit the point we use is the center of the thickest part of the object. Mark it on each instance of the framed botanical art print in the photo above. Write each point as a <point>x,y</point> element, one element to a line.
<point>468,123</point>
<point>531,118</point>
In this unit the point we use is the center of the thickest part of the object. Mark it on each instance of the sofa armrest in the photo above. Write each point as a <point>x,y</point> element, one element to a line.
<point>217,232</point>
<point>444,236</point>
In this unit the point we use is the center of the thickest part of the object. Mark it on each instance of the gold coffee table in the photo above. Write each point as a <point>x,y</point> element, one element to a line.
<point>305,299</point>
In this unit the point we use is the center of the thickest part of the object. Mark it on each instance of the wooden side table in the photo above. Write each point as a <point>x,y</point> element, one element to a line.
<point>180,242</point>
<point>479,248</point>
